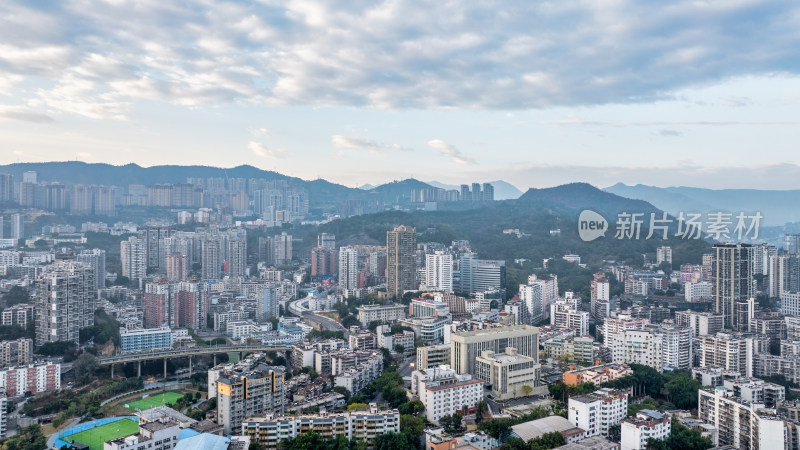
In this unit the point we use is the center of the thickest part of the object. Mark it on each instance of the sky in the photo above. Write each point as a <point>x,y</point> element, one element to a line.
<point>693,93</point>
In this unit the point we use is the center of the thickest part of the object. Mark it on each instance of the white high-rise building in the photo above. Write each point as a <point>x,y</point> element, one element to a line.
<point>267,303</point>
<point>348,268</point>
<point>664,255</point>
<point>96,258</point>
<point>565,314</point>
<point>790,303</point>
<point>532,296</point>
<point>134,258</point>
<point>17,226</point>
<point>326,240</point>
<point>439,272</point>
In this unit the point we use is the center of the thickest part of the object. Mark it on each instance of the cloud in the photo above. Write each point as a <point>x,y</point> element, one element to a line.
<point>362,144</point>
<point>260,132</point>
<point>670,133</point>
<point>261,150</point>
<point>451,152</point>
<point>386,54</point>
<point>25,115</point>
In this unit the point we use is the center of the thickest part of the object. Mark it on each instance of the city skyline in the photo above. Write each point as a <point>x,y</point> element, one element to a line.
<point>684,93</point>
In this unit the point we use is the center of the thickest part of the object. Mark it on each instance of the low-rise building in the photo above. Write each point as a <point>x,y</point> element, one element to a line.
<point>381,313</point>
<point>354,425</point>
<point>713,376</point>
<point>647,424</point>
<point>597,411</point>
<point>509,374</point>
<point>536,428</point>
<point>151,436</point>
<point>443,391</point>
<point>597,374</point>
<point>146,339</point>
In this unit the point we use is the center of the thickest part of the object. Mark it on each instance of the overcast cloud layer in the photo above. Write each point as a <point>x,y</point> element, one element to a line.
<point>93,58</point>
<point>702,93</point>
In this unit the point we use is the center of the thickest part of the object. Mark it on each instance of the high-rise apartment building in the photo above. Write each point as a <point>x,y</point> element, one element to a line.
<point>6,187</point>
<point>267,305</point>
<point>377,263</point>
<point>532,297</point>
<point>732,283</point>
<point>348,268</point>
<point>17,226</point>
<point>254,393</point>
<point>791,244</point>
<point>95,258</point>
<point>664,255</point>
<point>65,302</point>
<point>599,289</point>
<point>324,262</point>
<point>326,240</point>
<point>439,272</point>
<point>401,246</point>
<point>177,267</point>
<point>236,262</point>
<point>133,254</point>
<point>283,248</point>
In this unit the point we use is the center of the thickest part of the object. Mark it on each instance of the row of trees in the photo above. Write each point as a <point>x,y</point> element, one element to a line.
<point>544,442</point>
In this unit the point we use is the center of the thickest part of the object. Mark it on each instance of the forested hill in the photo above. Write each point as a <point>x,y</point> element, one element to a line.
<point>535,214</point>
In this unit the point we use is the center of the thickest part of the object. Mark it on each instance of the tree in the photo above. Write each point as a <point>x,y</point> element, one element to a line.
<point>527,390</point>
<point>399,348</point>
<point>614,432</point>
<point>451,423</point>
<point>412,424</point>
<point>414,407</point>
<point>16,295</point>
<point>84,367</point>
<point>394,441</point>
<point>344,391</point>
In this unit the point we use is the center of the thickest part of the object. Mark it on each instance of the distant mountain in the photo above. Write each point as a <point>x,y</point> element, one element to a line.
<point>776,207</point>
<point>502,190</point>
<point>367,187</point>
<point>320,192</point>
<point>399,191</point>
<point>575,197</point>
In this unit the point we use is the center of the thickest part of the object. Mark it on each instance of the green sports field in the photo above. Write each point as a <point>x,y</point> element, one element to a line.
<point>167,398</point>
<point>96,436</point>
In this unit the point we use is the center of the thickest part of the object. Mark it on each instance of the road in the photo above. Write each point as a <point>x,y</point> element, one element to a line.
<point>405,368</point>
<point>300,308</point>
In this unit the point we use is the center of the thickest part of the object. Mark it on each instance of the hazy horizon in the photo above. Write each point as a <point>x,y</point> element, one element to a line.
<point>701,94</point>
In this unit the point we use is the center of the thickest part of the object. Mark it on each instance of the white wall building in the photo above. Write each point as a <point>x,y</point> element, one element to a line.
<point>443,391</point>
<point>439,272</point>
<point>348,268</point>
<point>645,425</point>
<point>597,411</point>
